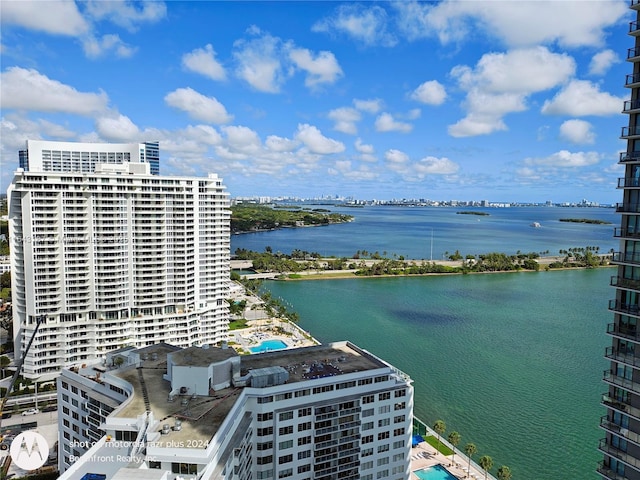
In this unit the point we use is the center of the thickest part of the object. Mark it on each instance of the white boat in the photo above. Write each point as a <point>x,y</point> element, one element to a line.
<point>536,225</point>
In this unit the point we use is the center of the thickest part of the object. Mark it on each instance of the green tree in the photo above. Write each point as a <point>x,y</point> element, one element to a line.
<point>5,280</point>
<point>470,449</point>
<point>6,320</point>
<point>439,427</point>
<point>504,473</point>
<point>4,363</point>
<point>454,439</point>
<point>485,462</point>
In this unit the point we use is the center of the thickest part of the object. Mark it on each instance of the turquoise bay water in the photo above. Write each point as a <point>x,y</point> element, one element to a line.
<point>511,361</point>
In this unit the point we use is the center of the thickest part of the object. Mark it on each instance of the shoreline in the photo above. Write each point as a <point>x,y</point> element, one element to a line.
<point>347,274</point>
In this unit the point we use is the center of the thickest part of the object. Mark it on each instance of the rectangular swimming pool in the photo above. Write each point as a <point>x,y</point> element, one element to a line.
<point>437,472</point>
<point>269,346</point>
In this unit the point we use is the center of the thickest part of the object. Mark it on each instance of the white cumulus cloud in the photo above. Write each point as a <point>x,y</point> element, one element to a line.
<point>58,18</point>
<point>435,166</point>
<point>203,61</point>
<point>430,93</point>
<point>323,68</point>
<point>566,159</point>
<point>126,13</point>
<point>97,47</point>
<point>580,98</point>
<point>369,106</point>
<point>500,84</point>
<point>280,144</point>
<point>518,71</point>
<point>198,106</point>
<point>317,143</point>
<point>602,61</point>
<point>28,89</point>
<point>259,62</point>
<point>577,131</point>
<point>386,123</point>
<point>117,128</point>
<point>396,157</point>
<point>345,119</point>
<point>366,25</point>
<point>517,24</point>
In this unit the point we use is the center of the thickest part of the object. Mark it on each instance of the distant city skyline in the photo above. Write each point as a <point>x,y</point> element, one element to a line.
<point>494,100</point>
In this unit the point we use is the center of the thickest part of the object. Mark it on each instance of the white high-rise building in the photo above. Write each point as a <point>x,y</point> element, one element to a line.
<point>114,258</point>
<point>50,156</point>
<point>325,412</point>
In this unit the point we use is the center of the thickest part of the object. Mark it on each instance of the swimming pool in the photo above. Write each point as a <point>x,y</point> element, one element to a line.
<point>437,472</point>
<point>269,346</point>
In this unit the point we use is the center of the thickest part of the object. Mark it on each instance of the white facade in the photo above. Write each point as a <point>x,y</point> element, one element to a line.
<point>269,422</point>
<point>49,156</point>
<point>117,257</point>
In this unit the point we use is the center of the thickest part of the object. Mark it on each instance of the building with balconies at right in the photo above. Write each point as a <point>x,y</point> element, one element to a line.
<point>621,424</point>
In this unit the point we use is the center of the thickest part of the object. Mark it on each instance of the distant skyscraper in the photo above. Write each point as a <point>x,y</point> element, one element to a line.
<point>47,156</point>
<point>621,424</point>
<point>116,257</point>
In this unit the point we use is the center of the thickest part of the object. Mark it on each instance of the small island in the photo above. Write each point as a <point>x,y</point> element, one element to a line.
<point>484,214</point>
<point>585,220</point>
<point>253,218</point>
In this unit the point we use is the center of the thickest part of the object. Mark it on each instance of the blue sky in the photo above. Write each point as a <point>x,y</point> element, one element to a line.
<point>467,100</point>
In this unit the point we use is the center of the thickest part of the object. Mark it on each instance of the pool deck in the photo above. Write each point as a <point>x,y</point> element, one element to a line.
<point>424,455</point>
<point>259,331</point>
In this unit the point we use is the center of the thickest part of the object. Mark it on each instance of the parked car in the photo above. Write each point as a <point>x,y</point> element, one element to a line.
<point>6,414</point>
<point>51,408</point>
<point>31,411</point>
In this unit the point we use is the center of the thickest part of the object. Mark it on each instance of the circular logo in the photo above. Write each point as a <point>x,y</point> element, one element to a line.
<point>29,450</point>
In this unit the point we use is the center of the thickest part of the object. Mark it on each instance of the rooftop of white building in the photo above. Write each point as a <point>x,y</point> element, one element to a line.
<point>202,416</point>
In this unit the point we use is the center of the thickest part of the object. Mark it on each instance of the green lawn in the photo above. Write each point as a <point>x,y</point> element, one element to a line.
<point>237,324</point>
<point>433,441</point>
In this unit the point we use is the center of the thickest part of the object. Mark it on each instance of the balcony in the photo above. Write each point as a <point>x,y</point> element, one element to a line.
<point>606,472</point>
<point>611,377</point>
<point>635,4</point>
<point>621,406</point>
<point>630,132</point>
<point>619,454</point>
<point>634,28</point>
<point>627,283</point>
<point>622,357</point>
<point>628,182</point>
<point>631,106</point>
<point>627,207</point>
<point>626,258</point>
<point>624,308</point>
<point>633,54</point>
<point>626,233</point>
<point>611,427</point>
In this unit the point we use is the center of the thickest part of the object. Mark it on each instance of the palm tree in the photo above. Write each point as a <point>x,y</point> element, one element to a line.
<point>470,449</point>
<point>454,439</point>
<point>504,473</point>
<point>439,427</point>
<point>485,462</point>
